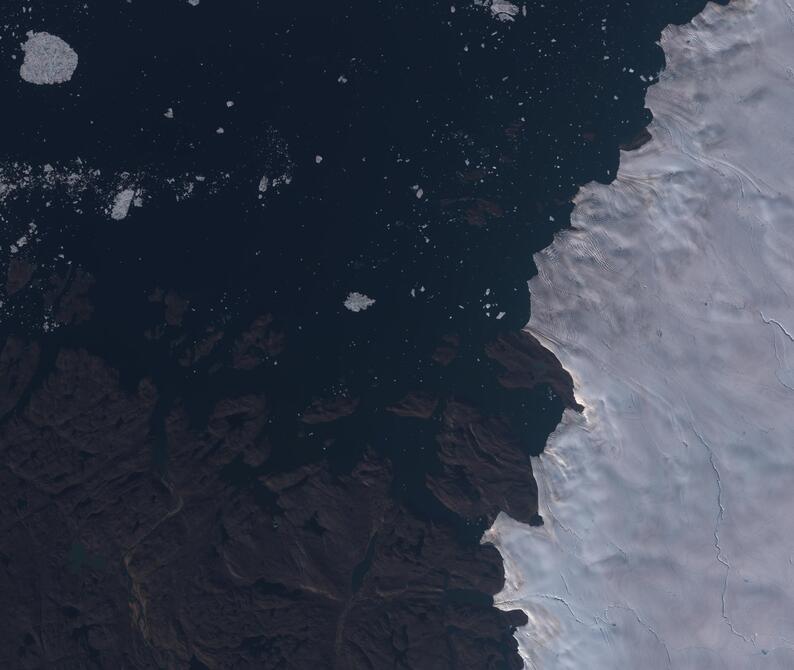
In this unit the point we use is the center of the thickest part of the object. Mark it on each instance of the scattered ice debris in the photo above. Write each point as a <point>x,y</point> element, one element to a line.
<point>342,79</point>
<point>273,183</point>
<point>121,204</point>
<point>68,183</point>
<point>21,242</point>
<point>490,307</point>
<point>24,239</point>
<point>357,302</point>
<point>16,179</point>
<point>169,113</point>
<point>48,59</point>
<point>184,190</point>
<point>418,191</point>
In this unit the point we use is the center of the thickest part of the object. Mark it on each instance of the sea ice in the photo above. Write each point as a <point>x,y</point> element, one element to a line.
<point>357,302</point>
<point>48,59</point>
<point>121,204</point>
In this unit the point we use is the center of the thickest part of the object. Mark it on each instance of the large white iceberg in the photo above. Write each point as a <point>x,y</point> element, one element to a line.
<point>48,59</point>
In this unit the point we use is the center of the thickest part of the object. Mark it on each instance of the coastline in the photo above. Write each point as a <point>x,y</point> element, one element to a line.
<point>664,542</point>
<point>224,462</point>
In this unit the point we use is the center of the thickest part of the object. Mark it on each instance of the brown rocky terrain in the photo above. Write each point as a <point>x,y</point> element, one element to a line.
<point>110,561</point>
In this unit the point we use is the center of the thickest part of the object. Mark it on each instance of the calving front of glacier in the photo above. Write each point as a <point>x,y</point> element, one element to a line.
<point>669,503</point>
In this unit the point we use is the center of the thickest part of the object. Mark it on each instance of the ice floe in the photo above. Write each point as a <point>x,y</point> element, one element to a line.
<point>48,59</point>
<point>358,302</point>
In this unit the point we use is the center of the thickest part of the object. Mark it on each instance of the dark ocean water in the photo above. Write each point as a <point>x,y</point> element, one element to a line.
<point>494,123</point>
<point>460,104</point>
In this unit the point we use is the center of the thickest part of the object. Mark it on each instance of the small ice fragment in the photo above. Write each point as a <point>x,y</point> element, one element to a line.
<point>121,204</point>
<point>500,316</point>
<point>230,103</point>
<point>220,131</point>
<point>263,184</point>
<point>503,11</point>
<point>169,113</point>
<point>357,302</point>
<point>318,159</point>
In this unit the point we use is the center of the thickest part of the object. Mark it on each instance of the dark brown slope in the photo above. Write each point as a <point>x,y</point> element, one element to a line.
<point>106,563</point>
